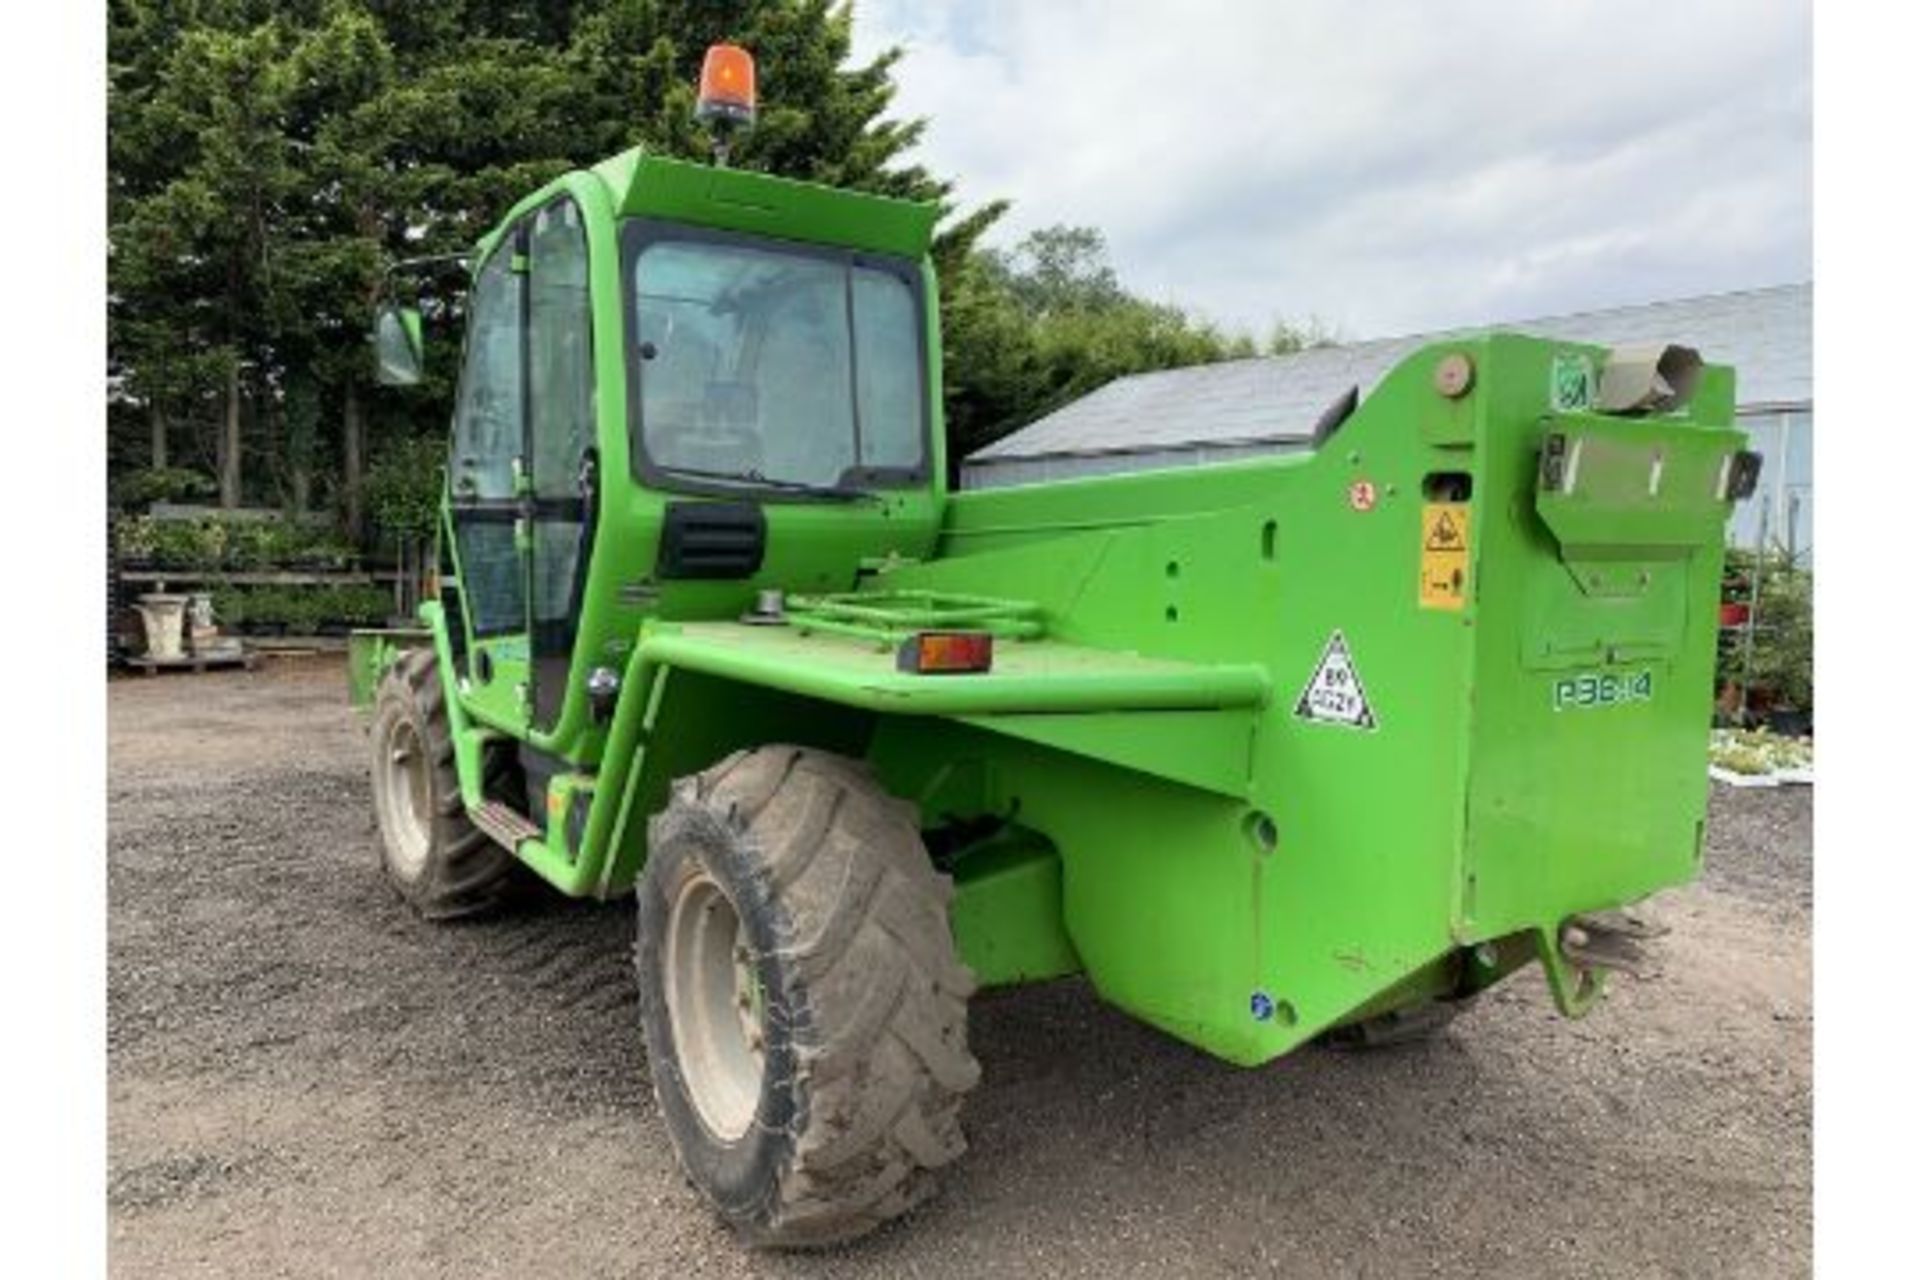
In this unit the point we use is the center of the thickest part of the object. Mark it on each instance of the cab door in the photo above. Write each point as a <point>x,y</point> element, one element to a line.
<point>485,502</point>
<point>564,470</point>
<point>524,472</point>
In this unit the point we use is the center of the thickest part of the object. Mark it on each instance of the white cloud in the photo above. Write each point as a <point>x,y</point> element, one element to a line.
<point>1386,166</point>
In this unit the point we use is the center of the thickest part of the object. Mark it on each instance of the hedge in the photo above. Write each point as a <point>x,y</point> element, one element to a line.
<point>213,543</point>
<point>300,610</point>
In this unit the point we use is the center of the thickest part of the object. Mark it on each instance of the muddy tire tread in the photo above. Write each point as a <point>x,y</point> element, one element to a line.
<point>881,1049</point>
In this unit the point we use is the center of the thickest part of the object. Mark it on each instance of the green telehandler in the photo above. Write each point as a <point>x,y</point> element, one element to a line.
<point>1318,745</point>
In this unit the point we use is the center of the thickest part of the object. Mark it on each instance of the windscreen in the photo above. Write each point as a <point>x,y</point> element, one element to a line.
<point>777,365</point>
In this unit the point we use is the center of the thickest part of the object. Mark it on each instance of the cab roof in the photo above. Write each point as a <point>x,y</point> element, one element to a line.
<point>646,186</point>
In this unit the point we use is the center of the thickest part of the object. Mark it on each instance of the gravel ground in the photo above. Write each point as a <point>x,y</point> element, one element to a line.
<point>305,1080</point>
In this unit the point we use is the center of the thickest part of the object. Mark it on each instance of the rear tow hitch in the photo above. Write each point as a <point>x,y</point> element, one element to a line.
<point>1610,940</point>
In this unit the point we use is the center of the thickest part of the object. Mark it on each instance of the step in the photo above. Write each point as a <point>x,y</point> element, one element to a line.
<point>504,826</point>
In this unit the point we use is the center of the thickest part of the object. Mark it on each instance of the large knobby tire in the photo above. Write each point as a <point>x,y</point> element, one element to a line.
<point>438,861</point>
<point>805,1013</point>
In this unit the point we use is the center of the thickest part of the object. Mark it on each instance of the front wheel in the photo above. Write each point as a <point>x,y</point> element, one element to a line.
<point>804,1010</point>
<point>435,858</point>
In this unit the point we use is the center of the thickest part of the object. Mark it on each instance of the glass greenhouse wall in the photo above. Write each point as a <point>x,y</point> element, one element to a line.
<point>1780,513</point>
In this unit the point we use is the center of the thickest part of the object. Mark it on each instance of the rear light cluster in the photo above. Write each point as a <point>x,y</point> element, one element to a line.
<point>946,652</point>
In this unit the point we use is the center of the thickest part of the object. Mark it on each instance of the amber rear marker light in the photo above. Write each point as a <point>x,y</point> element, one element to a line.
<point>946,652</point>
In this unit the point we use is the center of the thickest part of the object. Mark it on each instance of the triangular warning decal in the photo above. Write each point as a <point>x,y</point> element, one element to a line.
<point>1335,695</point>
<point>1445,535</point>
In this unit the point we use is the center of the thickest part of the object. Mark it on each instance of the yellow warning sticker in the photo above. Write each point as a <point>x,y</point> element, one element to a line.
<point>1443,555</point>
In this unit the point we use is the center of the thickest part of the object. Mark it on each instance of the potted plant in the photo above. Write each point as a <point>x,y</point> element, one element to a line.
<point>134,539</point>
<point>1786,660</point>
<point>1776,669</point>
<point>230,610</point>
<point>266,611</point>
<point>332,611</point>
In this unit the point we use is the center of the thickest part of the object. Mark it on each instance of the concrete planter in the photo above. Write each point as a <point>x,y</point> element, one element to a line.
<point>163,616</point>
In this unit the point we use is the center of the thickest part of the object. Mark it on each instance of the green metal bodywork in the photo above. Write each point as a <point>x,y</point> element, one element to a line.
<point>1133,790</point>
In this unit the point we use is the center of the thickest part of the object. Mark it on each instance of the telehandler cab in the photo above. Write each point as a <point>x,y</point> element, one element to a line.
<point>1323,743</point>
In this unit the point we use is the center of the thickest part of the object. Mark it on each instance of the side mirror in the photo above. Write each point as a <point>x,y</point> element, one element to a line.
<point>399,352</point>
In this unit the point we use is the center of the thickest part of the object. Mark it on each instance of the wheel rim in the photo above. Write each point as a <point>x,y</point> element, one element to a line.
<point>715,1006</point>
<point>405,796</point>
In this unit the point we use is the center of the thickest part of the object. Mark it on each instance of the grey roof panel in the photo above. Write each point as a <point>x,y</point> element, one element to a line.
<point>1766,334</point>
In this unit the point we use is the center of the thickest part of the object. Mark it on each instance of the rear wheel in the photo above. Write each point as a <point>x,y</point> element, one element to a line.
<point>436,859</point>
<point>805,1013</point>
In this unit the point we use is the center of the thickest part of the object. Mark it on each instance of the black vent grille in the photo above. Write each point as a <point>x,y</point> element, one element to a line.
<point>712,540</point>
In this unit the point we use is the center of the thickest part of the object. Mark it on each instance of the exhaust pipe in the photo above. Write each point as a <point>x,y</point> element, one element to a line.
<point>1648,377</point>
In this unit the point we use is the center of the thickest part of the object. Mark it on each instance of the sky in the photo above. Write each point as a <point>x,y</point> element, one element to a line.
<point>1379,167</point>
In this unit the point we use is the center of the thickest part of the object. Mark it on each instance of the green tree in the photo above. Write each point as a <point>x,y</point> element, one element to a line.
<point>197,166</point>
<point>1060,269</point>
<point>1031,328</point>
